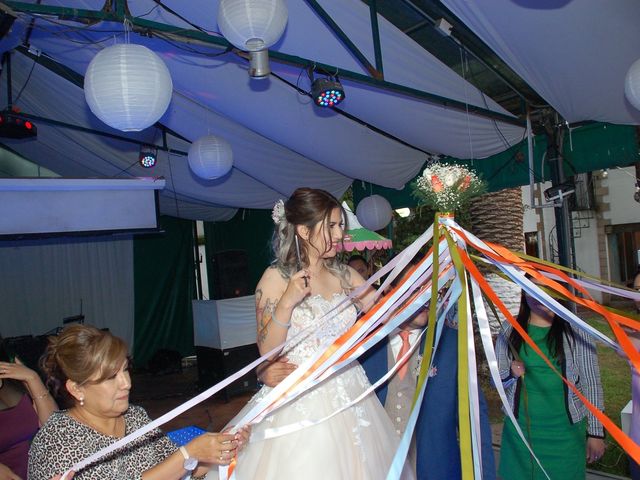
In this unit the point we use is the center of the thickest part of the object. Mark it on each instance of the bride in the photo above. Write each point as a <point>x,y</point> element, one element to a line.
<point>305,282</point>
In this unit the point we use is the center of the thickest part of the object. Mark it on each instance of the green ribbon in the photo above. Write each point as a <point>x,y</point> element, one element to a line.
<point>427,353</point>
<point>464,414</point>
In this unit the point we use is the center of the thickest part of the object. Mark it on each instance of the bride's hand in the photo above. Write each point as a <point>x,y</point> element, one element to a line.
<point>242,436</point>
<point>272,373</point>
<point>298,288</point>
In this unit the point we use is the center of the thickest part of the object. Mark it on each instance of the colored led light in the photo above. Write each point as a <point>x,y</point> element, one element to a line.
<point>327,92</point>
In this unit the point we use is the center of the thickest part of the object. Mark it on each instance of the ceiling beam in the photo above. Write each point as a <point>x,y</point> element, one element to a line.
<point>375,32</point>
<point>344,38</point>
<point>78,80</point>
<point>430,16</point>
<point>92,131</point>
<point>148,27</point>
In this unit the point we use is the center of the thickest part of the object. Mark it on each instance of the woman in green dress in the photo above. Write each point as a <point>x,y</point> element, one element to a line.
<point>562,433</point>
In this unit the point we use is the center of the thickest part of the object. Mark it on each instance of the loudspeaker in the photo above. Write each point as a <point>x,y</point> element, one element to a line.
<point>215,365</point>
<point>165,361</point>
<point>28,349</point>
<point>230,274</point>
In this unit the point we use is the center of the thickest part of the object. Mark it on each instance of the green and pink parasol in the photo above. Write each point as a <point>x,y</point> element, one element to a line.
<point>360,238</point>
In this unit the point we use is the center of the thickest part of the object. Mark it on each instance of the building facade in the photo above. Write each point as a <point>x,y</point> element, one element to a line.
<point>605,221</point>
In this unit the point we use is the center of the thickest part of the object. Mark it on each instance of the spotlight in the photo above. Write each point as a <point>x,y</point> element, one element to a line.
<point>327,92</point>
<point>148,156</point>
<point>259,64</point>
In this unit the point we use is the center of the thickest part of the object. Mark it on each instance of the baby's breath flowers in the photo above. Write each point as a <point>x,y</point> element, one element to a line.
<point>447,187</point>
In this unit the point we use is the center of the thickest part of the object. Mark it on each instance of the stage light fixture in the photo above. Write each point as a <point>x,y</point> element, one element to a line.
<point>148,156</point>
<point>327,92</point>
<point>14,125</point>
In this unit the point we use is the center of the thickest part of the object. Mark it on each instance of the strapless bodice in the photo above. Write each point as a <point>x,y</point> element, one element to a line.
<point>322,321</point>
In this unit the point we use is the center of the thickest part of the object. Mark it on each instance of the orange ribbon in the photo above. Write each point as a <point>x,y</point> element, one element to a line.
<point>614,319</point>
<point>627,444</point>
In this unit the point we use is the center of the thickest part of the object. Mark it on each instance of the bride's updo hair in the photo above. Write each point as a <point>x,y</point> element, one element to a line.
<point>308,207</point>
<point>80,353</point>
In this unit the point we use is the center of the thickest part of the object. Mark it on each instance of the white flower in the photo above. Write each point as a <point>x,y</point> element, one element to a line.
<point>450,179</point>
<point>277,214</point>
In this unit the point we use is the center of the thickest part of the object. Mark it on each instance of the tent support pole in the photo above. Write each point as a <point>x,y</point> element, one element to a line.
<point>554,131</point>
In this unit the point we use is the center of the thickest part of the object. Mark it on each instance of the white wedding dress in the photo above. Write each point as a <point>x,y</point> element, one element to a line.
<point>357,444</point>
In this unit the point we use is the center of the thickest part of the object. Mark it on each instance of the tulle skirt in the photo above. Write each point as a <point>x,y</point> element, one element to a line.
<point>357,444</point>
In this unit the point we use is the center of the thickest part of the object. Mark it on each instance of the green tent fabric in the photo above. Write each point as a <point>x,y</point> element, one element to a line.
<point>164,288</point>
<point>249,230</point>
<point>587,148</point>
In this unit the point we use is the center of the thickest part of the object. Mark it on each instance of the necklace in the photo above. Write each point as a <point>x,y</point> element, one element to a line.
<point>117,431</point>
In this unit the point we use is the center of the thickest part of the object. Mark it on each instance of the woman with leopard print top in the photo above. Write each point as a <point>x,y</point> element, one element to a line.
<point>88,369</point>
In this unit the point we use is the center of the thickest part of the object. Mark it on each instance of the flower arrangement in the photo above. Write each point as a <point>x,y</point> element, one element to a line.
<point>447,187</point>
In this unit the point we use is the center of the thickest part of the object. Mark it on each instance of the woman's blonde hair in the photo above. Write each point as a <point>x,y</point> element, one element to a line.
<point>83,354</point>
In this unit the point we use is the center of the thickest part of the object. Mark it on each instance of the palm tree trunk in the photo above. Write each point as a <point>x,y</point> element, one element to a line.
<point>498,217</point>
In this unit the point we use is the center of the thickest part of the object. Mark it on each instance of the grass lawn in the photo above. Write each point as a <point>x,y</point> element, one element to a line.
<point>616,383</point>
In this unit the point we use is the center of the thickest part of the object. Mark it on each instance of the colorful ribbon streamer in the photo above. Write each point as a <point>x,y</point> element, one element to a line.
<point>458,280</point>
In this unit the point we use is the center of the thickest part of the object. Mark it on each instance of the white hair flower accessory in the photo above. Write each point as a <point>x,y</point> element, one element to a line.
<point>277,214</point>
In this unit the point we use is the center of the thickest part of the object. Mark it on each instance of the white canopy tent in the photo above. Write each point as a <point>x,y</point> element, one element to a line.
<point>574,53</point>
<point>280,139</point>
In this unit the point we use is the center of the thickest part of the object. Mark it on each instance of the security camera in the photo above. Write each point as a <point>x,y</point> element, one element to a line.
<point>559,192</point>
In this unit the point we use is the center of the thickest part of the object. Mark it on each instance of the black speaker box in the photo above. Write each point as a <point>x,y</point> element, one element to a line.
<point>215,365</point>
<point>165,361</point>
<point>230,274</point>
<point>28,349</point>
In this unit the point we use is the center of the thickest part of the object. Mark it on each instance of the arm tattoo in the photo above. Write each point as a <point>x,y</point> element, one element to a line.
<point>264,315</point>
<point>258,295</point>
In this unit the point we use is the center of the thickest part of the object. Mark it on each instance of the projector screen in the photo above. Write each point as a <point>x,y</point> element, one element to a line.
<point>62,206</point>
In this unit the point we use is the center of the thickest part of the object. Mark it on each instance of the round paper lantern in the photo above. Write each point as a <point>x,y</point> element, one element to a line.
<point>374,212</point>
<point>632,84</point>
<point>252,25</point>
<point>128,87</point>
<point>210,157</point>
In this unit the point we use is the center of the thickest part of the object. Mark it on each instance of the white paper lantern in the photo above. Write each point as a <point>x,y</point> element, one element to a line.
<point>632,84</point>
<point>252,25</point>
<point>374,212</point>
<point>128,87</point>
<point>210,157</point>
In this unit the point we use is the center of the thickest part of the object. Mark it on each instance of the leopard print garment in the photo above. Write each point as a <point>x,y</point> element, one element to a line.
<point>62,441</point>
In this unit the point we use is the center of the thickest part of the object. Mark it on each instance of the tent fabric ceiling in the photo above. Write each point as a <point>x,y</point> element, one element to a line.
<point>280,139</point>
<point>574,53</point>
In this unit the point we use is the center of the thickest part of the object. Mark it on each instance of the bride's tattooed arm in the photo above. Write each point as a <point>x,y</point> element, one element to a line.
<point>264,315</point>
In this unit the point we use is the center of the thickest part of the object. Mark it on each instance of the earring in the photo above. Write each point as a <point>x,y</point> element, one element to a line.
<point>82,401</point>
